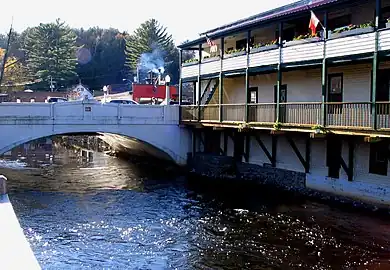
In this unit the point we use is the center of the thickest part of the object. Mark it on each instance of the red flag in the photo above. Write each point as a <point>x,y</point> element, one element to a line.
<point>314,21</point>
<point>209,41</point>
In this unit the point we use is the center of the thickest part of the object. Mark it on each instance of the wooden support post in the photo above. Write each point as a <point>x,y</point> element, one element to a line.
<point>375,65</point>
<point>180,79</point>
<point>279,75</point>
<point>194,93</point>
<point>247,146</point>
<point>305,162</point>
<point>308,153</point>
<point>351,155</point>
<point>225,142</point>
<point>199,82</point>
<point>221,150</point>
<point>220,97</point>
<point>248,40</point>
<point>324,73</point>
<point>274,150</point>
<point>194,148</point>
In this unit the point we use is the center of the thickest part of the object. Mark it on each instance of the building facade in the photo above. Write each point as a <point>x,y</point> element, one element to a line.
<point>268,91</point>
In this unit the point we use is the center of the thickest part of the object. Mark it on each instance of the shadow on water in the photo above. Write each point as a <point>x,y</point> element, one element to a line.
<point>104,213</point>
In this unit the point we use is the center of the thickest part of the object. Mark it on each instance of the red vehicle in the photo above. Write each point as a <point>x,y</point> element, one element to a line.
<point>145,92</point>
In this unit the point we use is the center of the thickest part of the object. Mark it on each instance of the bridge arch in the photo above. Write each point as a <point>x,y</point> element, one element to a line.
<point>168,142</point>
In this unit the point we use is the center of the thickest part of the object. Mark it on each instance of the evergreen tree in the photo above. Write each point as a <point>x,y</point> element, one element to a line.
<point>151,47</point>
<point>51,53</point>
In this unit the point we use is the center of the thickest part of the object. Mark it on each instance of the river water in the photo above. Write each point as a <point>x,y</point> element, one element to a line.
<point>104,213</point>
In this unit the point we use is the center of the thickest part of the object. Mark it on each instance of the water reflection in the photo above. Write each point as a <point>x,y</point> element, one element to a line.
<point>104,213</point>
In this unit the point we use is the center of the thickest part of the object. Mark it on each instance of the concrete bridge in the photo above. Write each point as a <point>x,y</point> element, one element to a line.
<point>147,129</point>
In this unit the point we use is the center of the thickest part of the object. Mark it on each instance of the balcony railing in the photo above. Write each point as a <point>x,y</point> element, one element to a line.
<point>383,115</point>
<point>262,113</point>
<point>295,51</point>
<point>233,112</point>
<point>209,112</point>
<point>299,113</point>
<point>356,115</point>
<point>349,114</point>
<point>189,113</point>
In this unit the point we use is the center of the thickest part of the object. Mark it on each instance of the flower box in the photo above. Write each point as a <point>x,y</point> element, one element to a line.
<point>186,64</point>
<point>353,32</point>
<point>301,41</point>
<point>264,48</point>
<point>211,59</point>
<point>229,55</point>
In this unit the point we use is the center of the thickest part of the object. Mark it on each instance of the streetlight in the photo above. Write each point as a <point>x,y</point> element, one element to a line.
<point>167,90</point>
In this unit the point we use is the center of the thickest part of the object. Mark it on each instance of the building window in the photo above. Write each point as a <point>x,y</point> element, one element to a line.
<point>335,93</point>
<point>379,158</point>
<point>253,95</point>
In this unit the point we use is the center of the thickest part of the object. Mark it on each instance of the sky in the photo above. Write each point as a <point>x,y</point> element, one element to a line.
<point>180,17</point>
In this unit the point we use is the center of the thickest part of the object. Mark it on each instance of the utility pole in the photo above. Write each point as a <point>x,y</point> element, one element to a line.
<point>6,54</point>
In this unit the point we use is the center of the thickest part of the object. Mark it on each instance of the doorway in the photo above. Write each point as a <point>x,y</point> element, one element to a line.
<point>252,99</point>
<point>282,100</point>
<point>335,93</point>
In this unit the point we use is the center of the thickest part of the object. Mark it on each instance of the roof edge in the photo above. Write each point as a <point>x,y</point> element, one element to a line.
<point>261,18</point>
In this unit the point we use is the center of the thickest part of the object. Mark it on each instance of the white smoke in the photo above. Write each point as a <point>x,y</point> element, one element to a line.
<point>153,61</point>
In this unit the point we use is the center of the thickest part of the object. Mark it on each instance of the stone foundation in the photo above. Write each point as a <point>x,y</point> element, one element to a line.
<point>226,168</point>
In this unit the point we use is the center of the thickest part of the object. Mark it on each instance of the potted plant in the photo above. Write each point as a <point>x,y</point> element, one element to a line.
<point>260,47</point>
<point>319,129</point>
<point>243,127</point>
<point>234,52</point>
<point>189,62</point>
<point>307,38</point>
<point>210,58</point>
<point>351,30</point>
<point>277,125</point>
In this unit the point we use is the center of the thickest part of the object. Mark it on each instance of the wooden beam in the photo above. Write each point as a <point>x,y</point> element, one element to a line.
<point>218,128</point>
<point>371,139</point>
<point>277,132</point>
<point>305,163</point>
<point>348,169</point>
<point>265,150</point>
<point>314,135</point>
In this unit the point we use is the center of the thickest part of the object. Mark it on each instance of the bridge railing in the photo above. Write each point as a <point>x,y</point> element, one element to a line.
<point>82,111</point>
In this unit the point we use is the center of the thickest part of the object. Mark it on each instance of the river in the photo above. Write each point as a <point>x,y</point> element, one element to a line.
<point>106,213</point>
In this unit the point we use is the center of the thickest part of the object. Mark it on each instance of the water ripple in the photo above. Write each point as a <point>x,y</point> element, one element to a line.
<point>108,214</point>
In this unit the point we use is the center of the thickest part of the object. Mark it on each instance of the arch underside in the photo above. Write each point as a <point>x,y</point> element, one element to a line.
<point>119,142</point>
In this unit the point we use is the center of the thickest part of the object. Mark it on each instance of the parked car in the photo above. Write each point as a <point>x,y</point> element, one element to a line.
<point>55,99</point>
<point>123,101</point>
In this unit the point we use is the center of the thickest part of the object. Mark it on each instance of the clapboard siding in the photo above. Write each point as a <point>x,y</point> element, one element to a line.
<point>264,58</point>
<point>303,52</point>
<point>210,67</point>
<point>350,45</point>
<point>384,40</point>
<point>233,63</point>
<point>190,71</point>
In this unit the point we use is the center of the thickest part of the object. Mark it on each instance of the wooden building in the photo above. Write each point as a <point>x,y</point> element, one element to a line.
<point>273,93</point>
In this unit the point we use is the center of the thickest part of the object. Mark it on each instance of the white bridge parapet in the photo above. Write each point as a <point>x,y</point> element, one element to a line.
<point>87,112</point>
<point>155,125</point>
